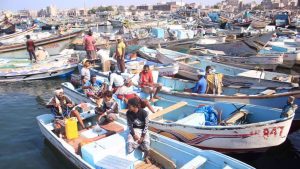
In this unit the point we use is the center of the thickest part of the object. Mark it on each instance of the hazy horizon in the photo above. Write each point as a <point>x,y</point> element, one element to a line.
<point>63,4</point>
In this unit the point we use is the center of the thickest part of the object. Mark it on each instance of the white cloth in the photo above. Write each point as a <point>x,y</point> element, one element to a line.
<point>124,90</point>
<point>86,73</point>
<point>115,79</point>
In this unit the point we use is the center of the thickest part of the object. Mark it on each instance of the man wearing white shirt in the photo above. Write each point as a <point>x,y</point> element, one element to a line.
<point>115,80</point>
<point>85,71</point>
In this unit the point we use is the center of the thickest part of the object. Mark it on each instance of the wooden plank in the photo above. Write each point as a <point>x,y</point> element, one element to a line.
<point>167,110</point>
<point>161,159</point>
<point>232,119</point>
<point>193,62</point>
<point>182,58</point>
<point>268,92</point>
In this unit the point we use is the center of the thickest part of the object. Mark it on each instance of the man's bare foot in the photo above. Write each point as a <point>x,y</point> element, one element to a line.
<point>157,97</point>
<point>151,100</point>
<point>147,160</point>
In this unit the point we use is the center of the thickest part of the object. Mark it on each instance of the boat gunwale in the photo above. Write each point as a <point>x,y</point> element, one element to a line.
<point>21,46</point>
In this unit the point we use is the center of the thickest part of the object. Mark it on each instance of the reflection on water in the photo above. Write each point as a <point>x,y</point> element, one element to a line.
<point>23,146</point>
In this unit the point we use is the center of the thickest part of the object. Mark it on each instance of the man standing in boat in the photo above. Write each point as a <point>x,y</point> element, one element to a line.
<point>90,47</point>
<point>214,81</point>
<point>137,121</point>
<point>120,54</point>
<point>30,48</point>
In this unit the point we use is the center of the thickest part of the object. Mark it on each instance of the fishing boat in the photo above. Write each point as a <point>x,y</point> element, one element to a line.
<point>176,119</point>
<point>104,146</point>
<point>266,62</point>
<point>241,127</point>
<point>189,64</point>
<point>258,24</point>
<point>134,66</point>
<point>21,69</point>
<point>17,34</point>
<point>147,53</point>
<point>54,45</point>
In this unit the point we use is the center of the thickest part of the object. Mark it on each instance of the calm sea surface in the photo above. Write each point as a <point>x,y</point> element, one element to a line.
<point>23,146</point>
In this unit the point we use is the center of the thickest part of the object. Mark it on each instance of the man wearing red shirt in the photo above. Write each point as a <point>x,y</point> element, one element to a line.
<point>30,48</point>
<point>90,47</point>
<point>147,84</point>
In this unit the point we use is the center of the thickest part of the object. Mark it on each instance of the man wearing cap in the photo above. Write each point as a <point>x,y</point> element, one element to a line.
<point>201,85</point>
<point>90,48</point>
<point>120,54</point>
<point>85,70</point>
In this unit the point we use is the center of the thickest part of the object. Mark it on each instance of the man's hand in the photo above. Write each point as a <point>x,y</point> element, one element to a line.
<point>141,140</point>
<point>136,137</point>
<point>70,105</point>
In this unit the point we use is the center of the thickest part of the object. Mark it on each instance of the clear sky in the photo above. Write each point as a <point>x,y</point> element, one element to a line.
<point>38,4</point>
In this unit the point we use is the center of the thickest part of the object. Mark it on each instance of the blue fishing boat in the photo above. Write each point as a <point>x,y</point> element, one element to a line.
<point>189,65</point>
<point>104,146</point>
<point>241,124</point>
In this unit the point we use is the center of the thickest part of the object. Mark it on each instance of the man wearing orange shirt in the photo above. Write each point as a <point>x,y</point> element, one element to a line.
<point>147,84</point>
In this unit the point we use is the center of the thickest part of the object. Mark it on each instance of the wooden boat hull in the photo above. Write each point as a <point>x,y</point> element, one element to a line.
<point>23,33</point>
<point>251,62</point>
<point>49,74</point>
<point>188,70</point>
<point>56,66</point>
<point>53,46</point>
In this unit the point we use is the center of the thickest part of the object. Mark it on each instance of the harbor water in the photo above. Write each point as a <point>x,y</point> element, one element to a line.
<point>23,145</point>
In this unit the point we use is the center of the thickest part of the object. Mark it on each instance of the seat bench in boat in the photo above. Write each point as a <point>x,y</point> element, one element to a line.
<point>235,117</point>
<point>110,129</point>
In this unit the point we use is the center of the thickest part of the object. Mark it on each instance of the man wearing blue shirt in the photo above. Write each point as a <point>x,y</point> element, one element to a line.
<point>201,85</point>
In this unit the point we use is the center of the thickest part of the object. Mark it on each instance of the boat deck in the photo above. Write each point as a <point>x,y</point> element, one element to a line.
<point>111,129</point>
<point>143,165</point>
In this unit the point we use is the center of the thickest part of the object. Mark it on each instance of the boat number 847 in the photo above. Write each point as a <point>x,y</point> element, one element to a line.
<point>273,131</point>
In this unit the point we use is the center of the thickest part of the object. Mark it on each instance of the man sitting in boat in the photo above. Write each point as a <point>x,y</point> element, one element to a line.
<point>115,80</point>
<point>108,110</point>
<point>290,108</point>
<point>41,54</point>
<point>126,92</point>
<point>214,81</point>
<point>62,105</point>
<point>85,71</point>
<point>93,88</point>
<point>201,86</point>
<point>147,84</point>
<point>137,121</point>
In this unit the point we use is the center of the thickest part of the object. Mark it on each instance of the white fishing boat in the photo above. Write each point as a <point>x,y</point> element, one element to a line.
<point>21,69</point>
<point>104,146</point>
<point>54,45</point>
<point>18,34</point>
<point>241,127</point>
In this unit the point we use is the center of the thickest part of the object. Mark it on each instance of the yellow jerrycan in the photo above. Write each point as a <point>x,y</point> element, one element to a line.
<point>71,128</point>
